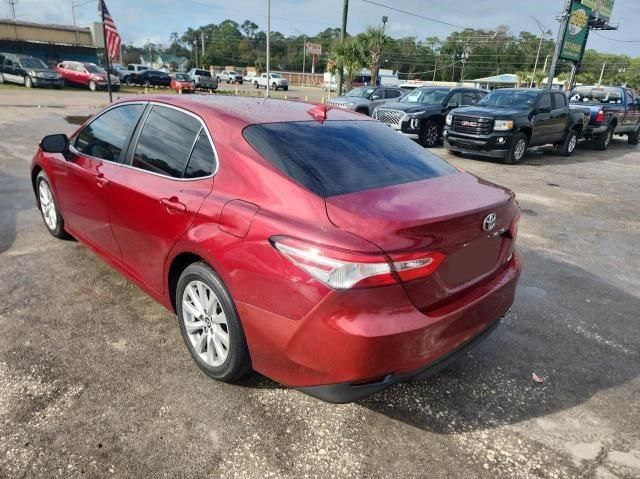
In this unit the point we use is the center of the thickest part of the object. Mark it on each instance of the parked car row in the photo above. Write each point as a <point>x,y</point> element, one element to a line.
<point>504,123</point>
<point>28,71</point>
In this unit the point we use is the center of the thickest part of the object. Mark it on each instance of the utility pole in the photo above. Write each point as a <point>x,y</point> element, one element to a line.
<point>195,51</point>
<point>464,57</point>
<point>435,67</point>
<point>602,73</point>
<point>343,33</point>
<point>12,4</point>
<point>561,31</point>
<point>542,37</point>
<point>73,14</point>
<point>304,59</point>
<point>268,46</point>
<point>202,39</point>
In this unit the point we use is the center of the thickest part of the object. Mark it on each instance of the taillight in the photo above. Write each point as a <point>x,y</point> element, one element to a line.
<point>340,269</point>
<point>600,116</point>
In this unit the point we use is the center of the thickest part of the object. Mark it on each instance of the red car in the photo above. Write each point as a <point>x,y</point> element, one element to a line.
<point>181,81</point>
<point>86,74</point>
<point>317,247</point>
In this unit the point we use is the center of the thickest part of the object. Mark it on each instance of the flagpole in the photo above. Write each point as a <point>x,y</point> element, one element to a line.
<point>106,51</point>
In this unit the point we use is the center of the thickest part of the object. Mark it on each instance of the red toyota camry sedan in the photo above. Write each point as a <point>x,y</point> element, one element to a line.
<point>317,247</point>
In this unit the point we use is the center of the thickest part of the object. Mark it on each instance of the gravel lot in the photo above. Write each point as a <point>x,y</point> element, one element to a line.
<point>95,379</point>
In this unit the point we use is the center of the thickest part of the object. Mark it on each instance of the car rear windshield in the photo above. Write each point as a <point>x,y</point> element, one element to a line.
<point>596,95</point>
<point>340,157</point>
<point>203,73</point>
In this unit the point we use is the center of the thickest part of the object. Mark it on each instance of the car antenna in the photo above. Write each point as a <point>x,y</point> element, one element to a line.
<point>319,112</point>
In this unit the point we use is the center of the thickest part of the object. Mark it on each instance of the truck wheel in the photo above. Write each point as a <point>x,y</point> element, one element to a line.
<point>601,142</point>
<point>518,149</point>
<point>129,81</point>
<point>569,145</point>
<point>430,134</point>
<point>255,85</point>
<point>274,86</point>
<point>632,138</point>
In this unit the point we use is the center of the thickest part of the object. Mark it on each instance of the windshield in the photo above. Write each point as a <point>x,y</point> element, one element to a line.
<point>182,77</point>
<point>275,75</point>
<point>427,96</point>
<point>33,63</point>
<point>510,99</point>
<point>596,95</point>
<point>340,157</point>
<point>232,73</point>
<point>362,92</point>
<point>93,68</point>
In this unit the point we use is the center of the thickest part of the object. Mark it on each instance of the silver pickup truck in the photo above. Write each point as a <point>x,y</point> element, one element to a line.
<point>203,79</point>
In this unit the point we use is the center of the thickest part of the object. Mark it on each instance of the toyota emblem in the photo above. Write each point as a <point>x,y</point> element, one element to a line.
<point>489,222</point>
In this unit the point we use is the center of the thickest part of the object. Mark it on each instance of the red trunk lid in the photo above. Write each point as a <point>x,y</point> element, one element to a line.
<point>440,214</point>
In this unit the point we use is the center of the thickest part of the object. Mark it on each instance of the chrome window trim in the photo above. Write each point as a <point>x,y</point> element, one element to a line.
<point>166,105</point>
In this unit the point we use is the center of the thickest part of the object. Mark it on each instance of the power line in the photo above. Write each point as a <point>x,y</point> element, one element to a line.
<point>615,39</point>
<point>413,14</point>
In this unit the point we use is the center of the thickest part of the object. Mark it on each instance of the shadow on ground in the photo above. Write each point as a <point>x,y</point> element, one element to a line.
<point>16,195</point>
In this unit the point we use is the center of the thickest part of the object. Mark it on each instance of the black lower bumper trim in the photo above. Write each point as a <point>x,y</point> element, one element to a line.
<point>348,392</point>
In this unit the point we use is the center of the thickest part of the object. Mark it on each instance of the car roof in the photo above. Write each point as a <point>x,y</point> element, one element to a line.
<point>248,110</point>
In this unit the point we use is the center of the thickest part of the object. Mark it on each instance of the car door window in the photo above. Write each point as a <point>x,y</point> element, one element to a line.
<point>456,99</point>
<point>544,102</point>
<point>629,98</point>
<point>106,136</point>
<point>559,101</point>
<point>392,94</point>
<point>468,98</point>
<point>166,141</point>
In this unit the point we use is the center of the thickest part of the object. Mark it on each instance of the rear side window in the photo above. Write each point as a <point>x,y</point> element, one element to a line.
<point>393,94</point>
<point>166,141</point>
<point>340,157</point>
<point>106,136</point>
<point>559,101</point>
<point>202,160</point>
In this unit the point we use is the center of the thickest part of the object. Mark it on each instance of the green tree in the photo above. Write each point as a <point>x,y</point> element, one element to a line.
<point>373,41</point>
<point>348,57</point>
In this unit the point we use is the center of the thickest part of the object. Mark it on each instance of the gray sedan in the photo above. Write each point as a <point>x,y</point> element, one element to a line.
<point>365,99</point>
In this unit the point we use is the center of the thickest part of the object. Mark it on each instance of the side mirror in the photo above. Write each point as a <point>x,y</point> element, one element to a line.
<point>452,105</point>
<point>375,97</point>
<point>55,143</point>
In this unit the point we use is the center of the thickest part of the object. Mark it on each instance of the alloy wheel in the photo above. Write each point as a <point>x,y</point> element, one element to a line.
<point>431,135</point>
<point>572,143</point>
<point>607,138</point>
<point>205,323</point>
<point>92,85</point>
<point>520,149</point>
<point>47,205</point>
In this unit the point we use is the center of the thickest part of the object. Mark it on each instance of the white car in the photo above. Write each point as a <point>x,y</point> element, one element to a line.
<point>275,81</point>
<point>230,77</point>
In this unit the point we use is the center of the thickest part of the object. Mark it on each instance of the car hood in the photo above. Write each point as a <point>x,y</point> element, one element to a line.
<point>411,107</point>
<point>481,111</point>
<point>40,70</point>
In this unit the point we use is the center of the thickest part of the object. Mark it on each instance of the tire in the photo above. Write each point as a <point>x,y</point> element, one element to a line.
<point>454,153</point>
<point>601,142</point>
<point>518,149</point>
<point>28,82</point>
<point>205,337</point>
<point>146,84</point>
<point>430,134</point>
<point>93,86</point>
<point>285,88</point>
<point>632,138</point>
<point>568,146</point>
<point>255,85</point>
<point>274,86</point>
<point>130,81</point>
<point>1,78</point>
<point>363,111</point>
<point>48,208</point>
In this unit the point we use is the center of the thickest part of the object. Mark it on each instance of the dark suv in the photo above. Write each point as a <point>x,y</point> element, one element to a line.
<point>420,114</point>
<point>27,71</point>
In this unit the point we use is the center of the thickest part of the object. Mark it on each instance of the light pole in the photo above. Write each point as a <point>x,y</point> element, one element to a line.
<point>268,46</point>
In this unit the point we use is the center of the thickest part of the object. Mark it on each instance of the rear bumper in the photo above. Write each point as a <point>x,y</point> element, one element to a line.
<point>360,341</point>
<point>495,145</point>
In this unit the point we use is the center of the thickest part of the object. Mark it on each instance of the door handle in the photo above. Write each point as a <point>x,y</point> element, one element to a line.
<point>101,180</point>
<point>173,204</point>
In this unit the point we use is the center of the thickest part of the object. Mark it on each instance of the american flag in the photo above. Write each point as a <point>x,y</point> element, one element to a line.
<point>113,37</point>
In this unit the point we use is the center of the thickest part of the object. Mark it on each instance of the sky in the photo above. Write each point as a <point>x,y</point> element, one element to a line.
<point>154,20</point>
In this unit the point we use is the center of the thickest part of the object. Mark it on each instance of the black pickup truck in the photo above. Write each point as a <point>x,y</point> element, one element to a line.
<point>613,110</point>
<point>508,121</point>
<point>420,114</point>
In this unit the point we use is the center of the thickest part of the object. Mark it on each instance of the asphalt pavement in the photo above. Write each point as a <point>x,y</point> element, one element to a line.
<point>95,380</point>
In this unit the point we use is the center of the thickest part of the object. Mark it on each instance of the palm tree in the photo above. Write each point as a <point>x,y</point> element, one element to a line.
<point>374,40</point>
<point>348,57</point>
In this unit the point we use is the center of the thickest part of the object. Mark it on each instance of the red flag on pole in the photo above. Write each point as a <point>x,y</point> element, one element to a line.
<point>112,37</point>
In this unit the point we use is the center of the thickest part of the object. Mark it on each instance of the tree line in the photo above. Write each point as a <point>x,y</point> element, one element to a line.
<point>463,55</point>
